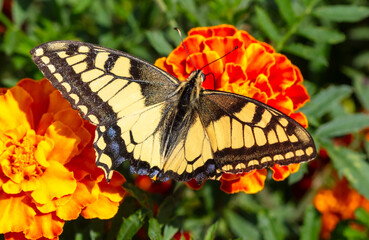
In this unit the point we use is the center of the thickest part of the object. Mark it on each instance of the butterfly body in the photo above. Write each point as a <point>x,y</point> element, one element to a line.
<point>164,127</point>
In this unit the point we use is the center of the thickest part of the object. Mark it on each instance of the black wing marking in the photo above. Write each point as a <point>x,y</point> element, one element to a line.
<point>88,76</point>
<point>246,134</point>
<point>108,87</point>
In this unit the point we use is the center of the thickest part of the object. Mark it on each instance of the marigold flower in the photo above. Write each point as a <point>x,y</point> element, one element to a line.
<point>254,70</point>
<point>336,204</point>
<point>47,165</point>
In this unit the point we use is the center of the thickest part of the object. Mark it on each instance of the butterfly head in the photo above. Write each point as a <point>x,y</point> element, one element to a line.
<point>196,78</point>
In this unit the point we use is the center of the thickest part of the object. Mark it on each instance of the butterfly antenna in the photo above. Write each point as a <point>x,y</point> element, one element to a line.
<point>219,58</point>
<point>180,35</point>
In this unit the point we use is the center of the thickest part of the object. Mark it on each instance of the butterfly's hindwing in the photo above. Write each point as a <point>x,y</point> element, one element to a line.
<point>168,129</point>
<point>246,134</point>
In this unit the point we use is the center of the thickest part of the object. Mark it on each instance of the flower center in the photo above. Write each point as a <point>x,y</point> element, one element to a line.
<point>18,160</point>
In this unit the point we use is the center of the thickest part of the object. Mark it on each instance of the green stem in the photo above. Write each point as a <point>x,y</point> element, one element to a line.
<point>293,29</point>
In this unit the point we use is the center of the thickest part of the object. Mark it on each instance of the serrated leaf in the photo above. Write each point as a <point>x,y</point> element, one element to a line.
<point>285,8</point>
<point>321,103</point>
<point>311,226</point>
<point>240,226</point>
<point>322,34</point>
<point>342,13</point>
<point>154,230</point>
<point>159,42</point>
<point>210,233</point>
<point>352,165</point>
<point>307,52</point>
<point>343,125</point>
<point>131,225</point>
<point>267,25</point>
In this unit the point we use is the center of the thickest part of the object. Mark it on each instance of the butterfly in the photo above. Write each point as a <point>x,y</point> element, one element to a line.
<point>168,129</point>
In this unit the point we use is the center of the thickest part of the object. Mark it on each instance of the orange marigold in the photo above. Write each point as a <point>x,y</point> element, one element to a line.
<point>47,165</point>
<point>336,204</point>
<point>254,70</point>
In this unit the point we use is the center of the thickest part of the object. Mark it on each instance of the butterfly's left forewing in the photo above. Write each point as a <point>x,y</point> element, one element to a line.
<point>126,98</point>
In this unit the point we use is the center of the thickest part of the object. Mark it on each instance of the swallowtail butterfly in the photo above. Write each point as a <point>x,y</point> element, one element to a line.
<point>164,127</point>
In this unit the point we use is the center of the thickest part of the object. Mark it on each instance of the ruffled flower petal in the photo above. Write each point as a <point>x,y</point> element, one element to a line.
<point>109,198</point>
<point>250,182</point>
<point>55,182</point>
<point>336,204</point>
<point>17,212</point>
<point>47,164</point>
<point>254,70</point>
<point>45,225</point>
<point>280,172</point>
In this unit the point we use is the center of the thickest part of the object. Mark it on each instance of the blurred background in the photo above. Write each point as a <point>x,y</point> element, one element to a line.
<point>327,39</point>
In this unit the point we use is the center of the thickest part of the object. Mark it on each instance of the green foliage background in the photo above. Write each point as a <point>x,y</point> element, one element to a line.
<point>327,39</point>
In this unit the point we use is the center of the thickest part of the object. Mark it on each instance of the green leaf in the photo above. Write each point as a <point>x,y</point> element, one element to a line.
<point>294,178</point>
<point>82,6</point>
<point>361,85</point>
<point>354,234</point>
<point>210,233</point>
<point>141,196</point>
<point>154,230</point>
<point>167,209</point>
<point>343,125</point>
<point>240,226</point>
<point>267,25</point>
<point>311,225</point>
<point>307,52</point>
<point>285,8</point>
<point>359,33</point>
<point>131,225</point>
<point>366,146</point>
<point>169,232</point>
<point>352,165</point>
<point>269,227</point>
<point>322,34</point>
<point>342,13</point>
<point>321,103</point>
<point>159,42</point>
<point>362,216</point>
<point>361,60</point>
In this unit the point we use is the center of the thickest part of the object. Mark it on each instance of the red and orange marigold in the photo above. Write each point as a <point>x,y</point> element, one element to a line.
<point>337,204</point>
<point>47,165</point>
<point>254,70</point>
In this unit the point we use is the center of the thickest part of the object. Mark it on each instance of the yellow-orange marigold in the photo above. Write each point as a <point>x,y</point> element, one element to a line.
<point>336,204</point>
<point>47,165</point>
<point>254,70</point>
